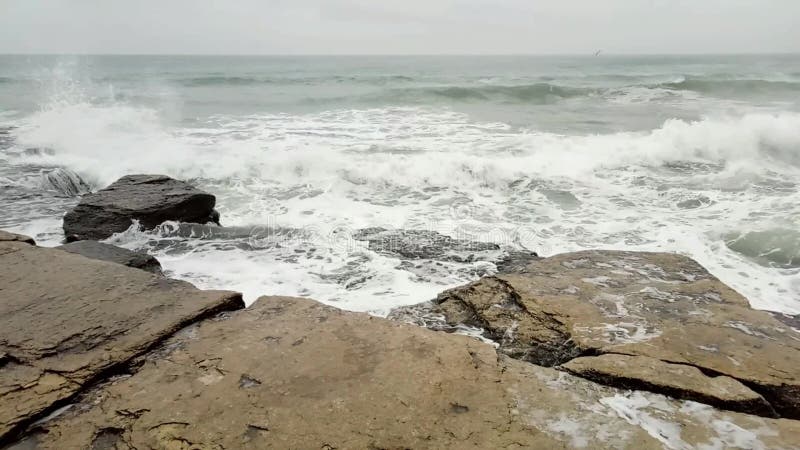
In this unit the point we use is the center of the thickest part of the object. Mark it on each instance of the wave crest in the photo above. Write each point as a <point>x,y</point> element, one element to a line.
<point>411,148</point>
<point>731,86</point>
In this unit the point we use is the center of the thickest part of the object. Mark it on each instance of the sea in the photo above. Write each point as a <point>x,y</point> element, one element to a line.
<point>698,155</point>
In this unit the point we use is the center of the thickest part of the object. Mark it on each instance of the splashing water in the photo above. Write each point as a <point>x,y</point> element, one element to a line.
<point>665,167</point>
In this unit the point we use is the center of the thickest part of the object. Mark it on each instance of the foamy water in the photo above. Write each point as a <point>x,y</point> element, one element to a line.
<point>566,156</point>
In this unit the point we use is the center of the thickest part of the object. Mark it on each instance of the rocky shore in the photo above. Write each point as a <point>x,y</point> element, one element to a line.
<point>595,349</point>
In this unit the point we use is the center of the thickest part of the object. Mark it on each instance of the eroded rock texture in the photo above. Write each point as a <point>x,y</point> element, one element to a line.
<point>662,307</point>
<point>66,321</point>
<point>292,373</point>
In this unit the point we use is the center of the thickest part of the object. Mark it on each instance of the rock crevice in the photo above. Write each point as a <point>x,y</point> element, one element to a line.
<point>664,312</point>
<point>98,318</point>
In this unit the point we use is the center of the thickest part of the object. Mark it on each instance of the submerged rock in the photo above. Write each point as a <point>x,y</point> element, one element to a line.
<point>67,321</point>
<point>112,253</point>
<point>422,244</point>
<point>694,203</point>
<point>292,373</point>
<point>423,252</point>
<point>662,307</point>
<point>148,199</point>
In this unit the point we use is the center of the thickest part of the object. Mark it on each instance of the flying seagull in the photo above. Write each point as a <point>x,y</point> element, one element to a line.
<point>597,53</point>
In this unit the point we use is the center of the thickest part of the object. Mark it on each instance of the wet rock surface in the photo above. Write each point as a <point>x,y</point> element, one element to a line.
<point>292,373</point>
<point>66,320</point>
<point>658,306</point>
<point>112,253</point>
<point>148,199</point>
<point>430,255</point>
<point>6,236</point>
<point>676,380</point>
<point>423,244</point>
<point>96,355</point>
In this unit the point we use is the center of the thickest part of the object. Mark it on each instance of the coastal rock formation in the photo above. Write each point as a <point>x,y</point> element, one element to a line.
<point>6,236</point>
<point>112,253</point>
<point>97,355</point>
<point>148,199</point>
<point>66,321</point>
<point>660,310</point>
<point>676,380</point>
<point>292,373</point>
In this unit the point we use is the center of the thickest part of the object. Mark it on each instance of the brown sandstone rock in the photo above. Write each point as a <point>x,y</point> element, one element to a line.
<point>676,380</point>
<point>66,320</point>
<point>294,374</point>
<point>660,306</point>
<point>6,236</point>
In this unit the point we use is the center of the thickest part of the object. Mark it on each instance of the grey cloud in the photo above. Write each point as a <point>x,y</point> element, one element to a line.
<point>398,26</point>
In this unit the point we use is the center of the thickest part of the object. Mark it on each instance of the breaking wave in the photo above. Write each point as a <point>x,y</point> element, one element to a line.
<point>526,93</point>
<point>733,86</point>
<point>222,80</point>
<point>411,148</point>
<point>722,188</point>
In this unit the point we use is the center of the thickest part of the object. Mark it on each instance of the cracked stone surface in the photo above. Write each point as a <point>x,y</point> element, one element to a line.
<point>66,320</point>
<point>676,380</point>
<point>660,306</point>
<point>293,373</point>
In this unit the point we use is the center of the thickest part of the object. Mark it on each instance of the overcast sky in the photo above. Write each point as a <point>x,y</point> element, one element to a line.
<point>399,26</point>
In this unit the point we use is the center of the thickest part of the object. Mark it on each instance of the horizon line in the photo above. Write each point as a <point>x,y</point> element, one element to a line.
<point>587,54</point>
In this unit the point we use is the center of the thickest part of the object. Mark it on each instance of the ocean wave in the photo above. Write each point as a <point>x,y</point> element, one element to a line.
<point>437,167</point>
<point>221,80</point>
<point>215,80</point>
<point>524,93</point>
<point>411,147</point>
<point>731,86</point>
<point>775,247</point>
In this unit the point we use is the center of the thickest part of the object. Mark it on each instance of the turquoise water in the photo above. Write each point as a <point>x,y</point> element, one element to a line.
<point>699,155</point>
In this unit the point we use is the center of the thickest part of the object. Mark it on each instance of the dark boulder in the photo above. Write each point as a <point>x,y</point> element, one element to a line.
<point>112,253</point>
<point>149,199</point>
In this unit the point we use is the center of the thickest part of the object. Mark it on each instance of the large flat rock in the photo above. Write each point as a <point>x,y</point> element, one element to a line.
<point>660,306</point>
<point>148,199</point>
<point>294,374</point>
<point>66,320</point>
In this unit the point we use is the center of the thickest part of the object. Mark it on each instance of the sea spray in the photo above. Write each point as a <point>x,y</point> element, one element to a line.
<point>548,155</point>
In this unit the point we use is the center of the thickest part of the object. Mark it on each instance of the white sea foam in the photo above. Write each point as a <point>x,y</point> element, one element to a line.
<point>435,168</point>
